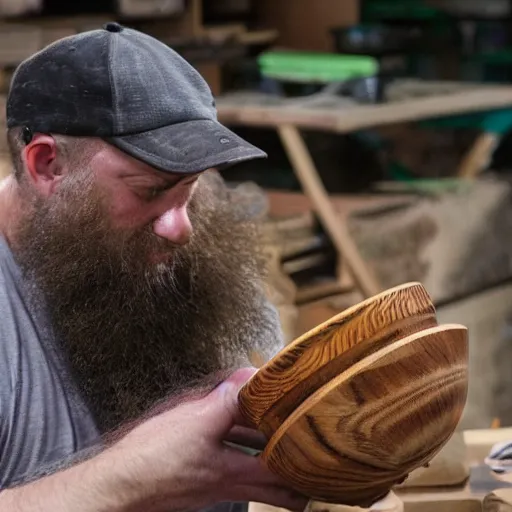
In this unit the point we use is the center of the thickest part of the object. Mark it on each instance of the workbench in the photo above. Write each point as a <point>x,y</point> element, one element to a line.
<point>288,119</point>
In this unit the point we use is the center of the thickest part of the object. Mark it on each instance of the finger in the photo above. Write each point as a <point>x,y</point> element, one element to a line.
<point>240,378</point>
<point>245,469</point>
<point>220,407</point>
<point>247,437</point>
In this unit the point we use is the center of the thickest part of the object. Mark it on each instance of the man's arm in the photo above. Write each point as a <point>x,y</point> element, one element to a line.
<point>175,461</point>
<point>95,485</point>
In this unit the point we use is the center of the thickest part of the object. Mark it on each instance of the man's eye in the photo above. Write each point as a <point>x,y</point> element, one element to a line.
<point>154,192</point>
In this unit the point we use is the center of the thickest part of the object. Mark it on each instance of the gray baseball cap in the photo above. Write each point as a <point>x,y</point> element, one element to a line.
<point>131,90</point>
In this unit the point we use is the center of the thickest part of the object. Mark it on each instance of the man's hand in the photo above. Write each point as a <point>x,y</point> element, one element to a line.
<point>180,458</point>
<point>175,461</point>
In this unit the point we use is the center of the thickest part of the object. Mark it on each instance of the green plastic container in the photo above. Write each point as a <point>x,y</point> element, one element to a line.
<point>316,67</point>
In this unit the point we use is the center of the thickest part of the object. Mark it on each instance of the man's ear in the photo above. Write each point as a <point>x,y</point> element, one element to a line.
<point>44,166</point>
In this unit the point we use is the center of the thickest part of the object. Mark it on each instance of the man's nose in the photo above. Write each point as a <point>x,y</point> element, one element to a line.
<point>174,225</point>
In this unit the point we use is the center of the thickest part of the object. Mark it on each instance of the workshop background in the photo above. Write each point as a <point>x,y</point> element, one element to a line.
<point>388,125</point>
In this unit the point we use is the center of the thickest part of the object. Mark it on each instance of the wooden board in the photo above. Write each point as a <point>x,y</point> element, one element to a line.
<point>367,116</point>
<point>457,500</point>
<point>480,441</point>
<point>289,204</point>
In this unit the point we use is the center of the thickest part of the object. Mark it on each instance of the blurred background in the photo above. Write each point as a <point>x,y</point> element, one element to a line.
<point>388,125</point>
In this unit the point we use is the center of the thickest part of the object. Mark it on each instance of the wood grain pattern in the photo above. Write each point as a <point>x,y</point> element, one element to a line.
<point>309,362</point>
<point>368,428</point>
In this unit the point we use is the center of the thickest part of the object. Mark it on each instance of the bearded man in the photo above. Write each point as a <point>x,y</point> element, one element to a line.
<point>130,288</point>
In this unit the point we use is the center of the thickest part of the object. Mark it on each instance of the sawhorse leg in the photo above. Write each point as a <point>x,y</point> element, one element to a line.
<point>312,185</point>
<point>479,156</point>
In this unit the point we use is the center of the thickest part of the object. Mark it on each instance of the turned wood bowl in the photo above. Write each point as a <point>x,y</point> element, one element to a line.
<point>369,427</point>
<point>355,405</point>
<point>319,355</point>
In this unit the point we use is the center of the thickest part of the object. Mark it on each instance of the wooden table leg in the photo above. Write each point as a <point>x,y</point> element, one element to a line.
<point>312,185</point>
<point>479,156</point>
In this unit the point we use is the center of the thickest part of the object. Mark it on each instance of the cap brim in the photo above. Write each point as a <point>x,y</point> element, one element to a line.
<point>189,147</point>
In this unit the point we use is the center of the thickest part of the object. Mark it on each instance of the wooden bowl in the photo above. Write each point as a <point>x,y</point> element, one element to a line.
<point>365,430</point>
<point>312,360</point>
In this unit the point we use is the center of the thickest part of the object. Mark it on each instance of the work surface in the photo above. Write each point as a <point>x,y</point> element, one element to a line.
<point>338,115</point>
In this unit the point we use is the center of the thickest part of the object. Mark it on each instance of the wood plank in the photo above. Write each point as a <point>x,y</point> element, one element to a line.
<point>487,436</point>
<point>318,291</point>
<point>282,203</point>
<point>254,37</point>
<point>480,441</point>
<point>366,116</point>
<point>457,500</point>
<point>293,247</point>
<point>304,263</point>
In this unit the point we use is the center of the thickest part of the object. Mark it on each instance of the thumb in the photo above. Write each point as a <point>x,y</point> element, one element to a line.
<point>223,401</point>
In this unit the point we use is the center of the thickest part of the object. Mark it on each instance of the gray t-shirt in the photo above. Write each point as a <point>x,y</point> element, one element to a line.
<point>43,419</point>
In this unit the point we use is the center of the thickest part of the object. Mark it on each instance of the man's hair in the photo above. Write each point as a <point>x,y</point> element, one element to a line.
<point>15,145</point>
<point>74,150</point>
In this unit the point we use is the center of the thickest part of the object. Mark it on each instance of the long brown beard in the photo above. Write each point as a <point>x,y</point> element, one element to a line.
<point>136,334</point>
